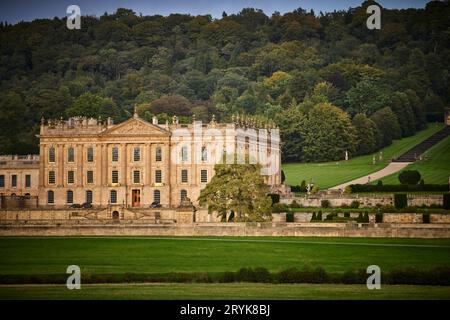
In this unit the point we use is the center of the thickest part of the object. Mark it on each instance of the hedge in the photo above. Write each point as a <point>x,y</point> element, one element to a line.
<point>446,201</point>
<point>400,200</point>
<point>356,188</point>
<point>436,276</point>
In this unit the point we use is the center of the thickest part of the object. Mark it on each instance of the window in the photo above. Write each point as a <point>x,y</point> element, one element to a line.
<point>156,196</point>
<point>204,154</point>
<point>204,176</point>
<point>14,181</point>
<point>51,177</point>
<point>50,197</point>
<point>158,176</point>
<point>90,154</point>
<point>115,176</point>
<point>113,196</point>
<point>136,176</point>
<point>184,154</point>
<point>70,155</point>
<point>183,195</point>
<point>70,176</point>
<point>115,154</point>
<point>51,154</point>
<point>89,196</point>
<point>137,154</point>
<point>158,154</point>
<point>90,176</point>
<point>28,181</point>
<point>184,176</point>
<point>2,180</point>
<point>69,197</point>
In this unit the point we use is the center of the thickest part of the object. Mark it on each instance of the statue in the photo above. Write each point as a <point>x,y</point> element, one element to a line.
<point>346,155</point>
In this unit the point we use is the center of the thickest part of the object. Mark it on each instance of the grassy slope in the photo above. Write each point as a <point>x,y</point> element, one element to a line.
<point>174,291</point>
<point>330,174</point>
<point>434,169</point>
<point>163,255</point>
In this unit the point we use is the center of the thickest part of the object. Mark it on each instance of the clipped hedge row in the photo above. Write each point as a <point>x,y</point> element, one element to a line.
<point>356,188</point>
<point>437,276</point>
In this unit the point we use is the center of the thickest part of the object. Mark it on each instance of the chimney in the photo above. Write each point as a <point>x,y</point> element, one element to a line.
<point>155,120</point>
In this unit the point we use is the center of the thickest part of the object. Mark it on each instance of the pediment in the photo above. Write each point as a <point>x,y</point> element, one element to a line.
<point>138,127</point>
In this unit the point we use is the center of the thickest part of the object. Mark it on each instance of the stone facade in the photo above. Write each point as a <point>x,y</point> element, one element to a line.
<point>131,164</point>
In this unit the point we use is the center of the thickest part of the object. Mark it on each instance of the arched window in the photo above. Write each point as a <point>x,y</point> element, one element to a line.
<point>157,196</point>
<point>183,194</point>
<point>113,196</point>
<point>88,196</point>
<point>69,197</point>
<point>50,197</point>
<point>204,154</point>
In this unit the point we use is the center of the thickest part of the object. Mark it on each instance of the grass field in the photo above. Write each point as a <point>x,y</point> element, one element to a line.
<point>172,291</point>
<point>434,169</point>
<point>163,255</point>
<point>330,174</point>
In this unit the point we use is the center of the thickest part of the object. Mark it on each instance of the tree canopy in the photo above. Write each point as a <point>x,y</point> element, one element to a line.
<point>246,62</point>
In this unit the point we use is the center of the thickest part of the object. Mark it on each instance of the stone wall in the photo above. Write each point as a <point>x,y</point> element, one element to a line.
<point>126,228</point>
<point>366,201</point>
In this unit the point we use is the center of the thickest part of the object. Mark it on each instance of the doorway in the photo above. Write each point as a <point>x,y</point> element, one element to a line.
<point>115,215</point>
<point>135,198</point>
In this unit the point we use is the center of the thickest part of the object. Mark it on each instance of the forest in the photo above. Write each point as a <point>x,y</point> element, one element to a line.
<point>330,84</point>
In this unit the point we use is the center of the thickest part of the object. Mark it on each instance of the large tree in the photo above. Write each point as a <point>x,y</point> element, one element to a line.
<point>237,188</point>
<point>367,134</point>
<point>329,134</point>
<point>388,127</point>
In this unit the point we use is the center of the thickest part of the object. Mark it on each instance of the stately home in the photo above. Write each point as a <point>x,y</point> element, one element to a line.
<point>131,164</point>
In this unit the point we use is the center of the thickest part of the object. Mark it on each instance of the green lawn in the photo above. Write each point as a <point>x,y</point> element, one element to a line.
<point>116,255</point>
<point>173,291</point>
<point>330,174</point>
<point>435,168</point>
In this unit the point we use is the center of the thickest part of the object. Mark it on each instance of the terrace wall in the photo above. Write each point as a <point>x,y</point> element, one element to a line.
<point>140,228</point>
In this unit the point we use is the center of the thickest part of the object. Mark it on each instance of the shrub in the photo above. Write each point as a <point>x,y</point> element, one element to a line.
<point>330,216</point>
<point>400,200</point>
<point>379,217</point>
<point>409,177</point>
<point>315,189</point>
<point>295,204</point>
<point>426,218</point>
<point>355,204</point>
<point>275,198</point>
<point>290,217</point>
<point>325,203</point>
<point>388,208</point>
<point>347,214</point>
<point>245,275</point>
<point>291,275</point>
<point>314,216</point>
<point>366,217</point>
<point>279,207</point>
<point>379,183</point>
<point>227,277</point>
<point>319,215</point>
<point>303,186</point>
<point>262,275</point>
<point>360,218</point>
<point>446,201</point>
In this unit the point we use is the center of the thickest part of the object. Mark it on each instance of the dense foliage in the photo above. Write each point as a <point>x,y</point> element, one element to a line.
<point>409,177</point>
<point>294,68</point>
